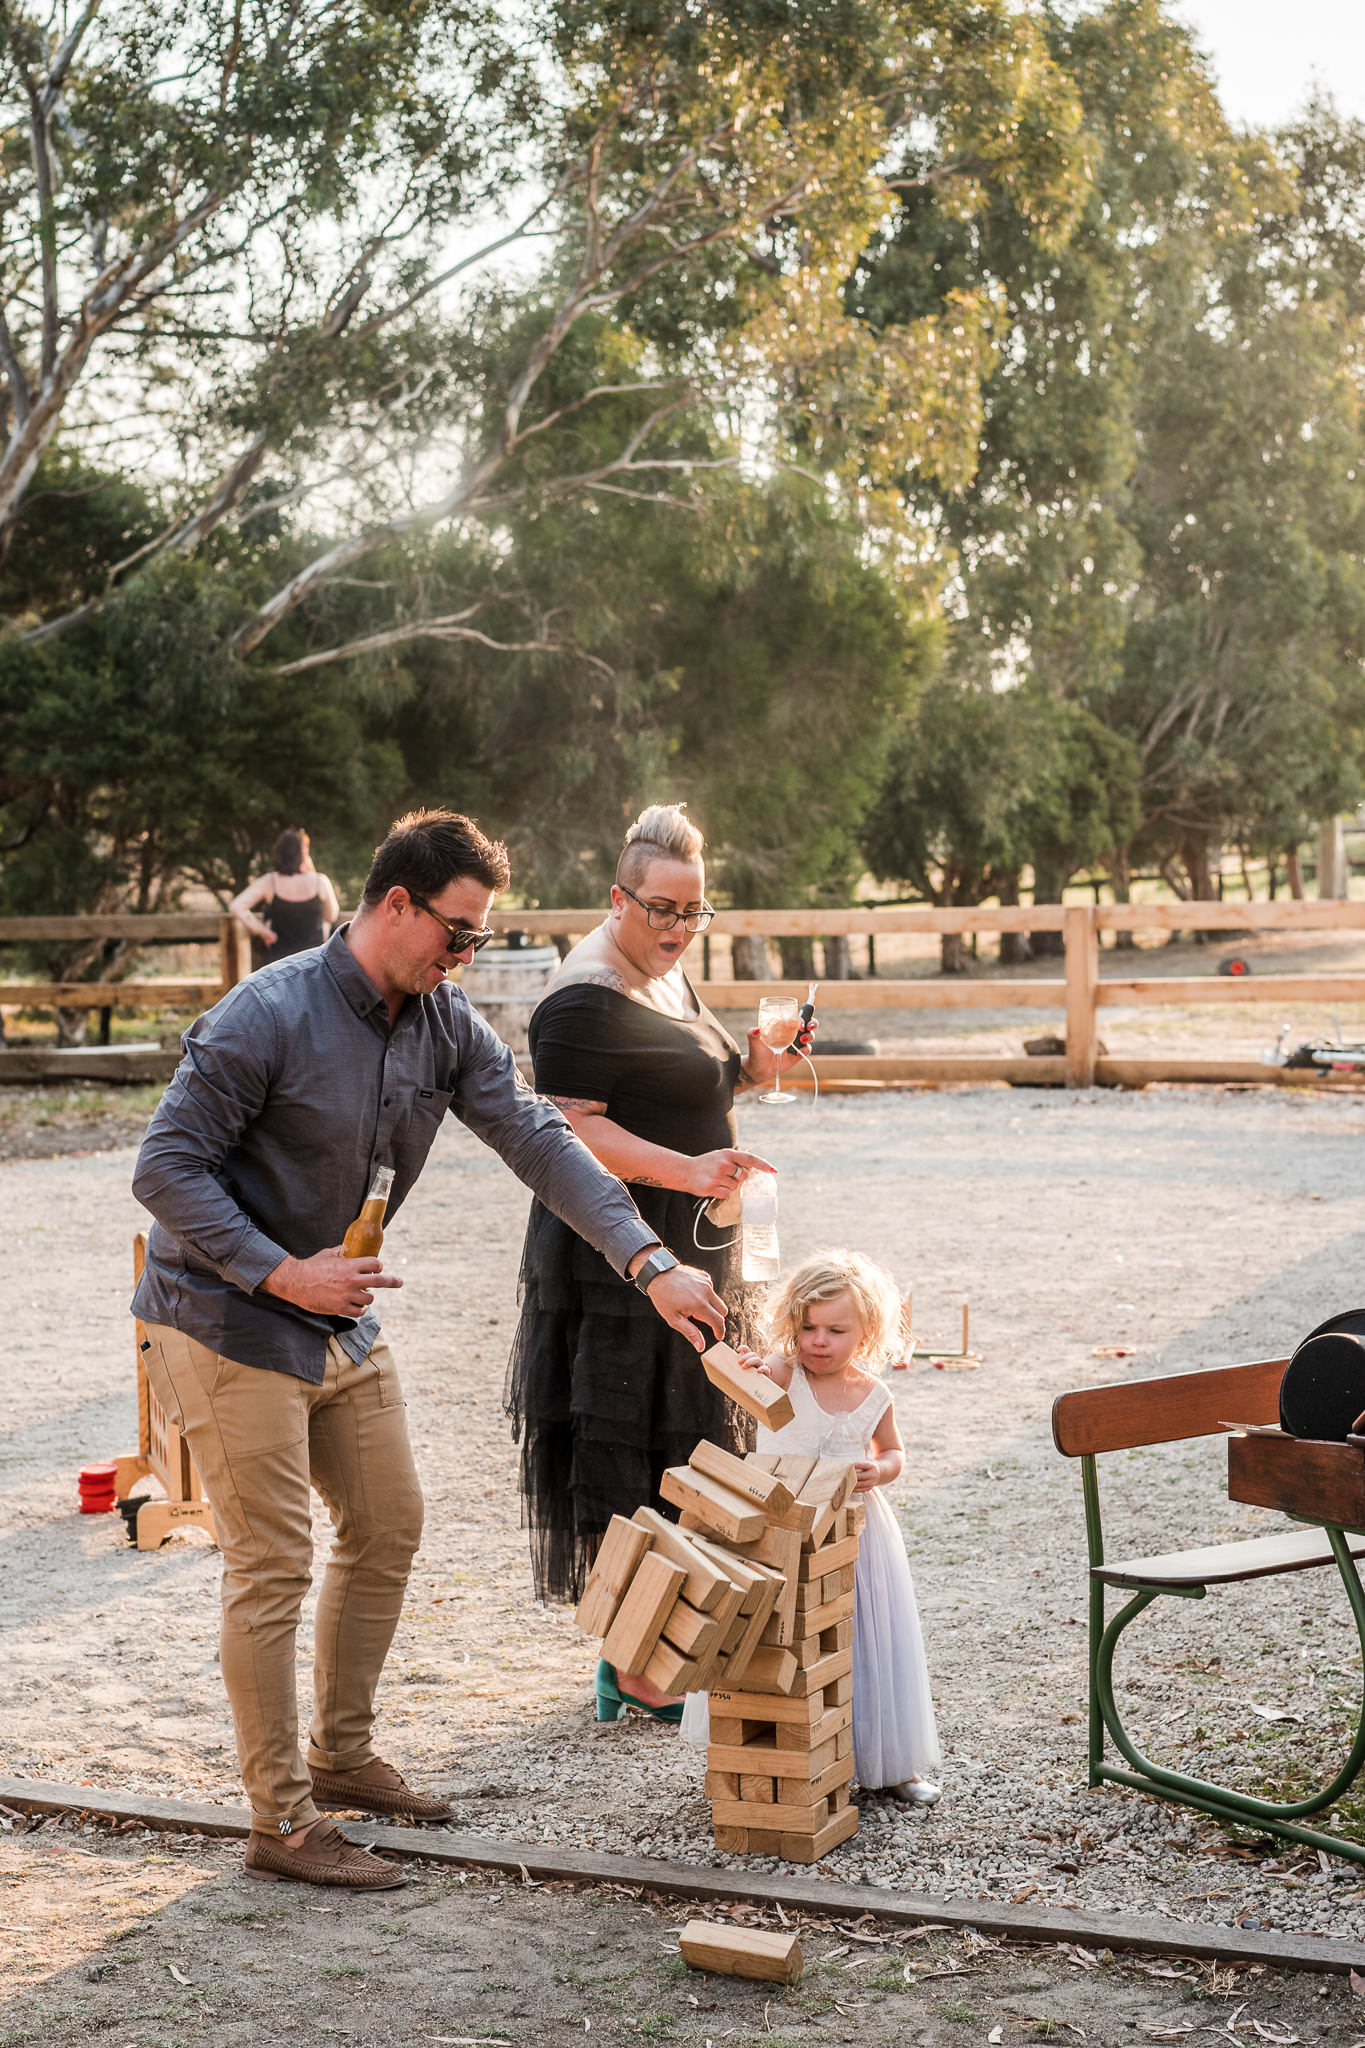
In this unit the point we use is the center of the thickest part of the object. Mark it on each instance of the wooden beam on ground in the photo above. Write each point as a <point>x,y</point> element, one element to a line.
<point>1203,1940</point>
<point>1137,1073</point>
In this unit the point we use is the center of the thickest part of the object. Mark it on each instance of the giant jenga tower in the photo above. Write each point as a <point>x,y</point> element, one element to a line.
<point>780,1760</point>
<point>750,1597</point>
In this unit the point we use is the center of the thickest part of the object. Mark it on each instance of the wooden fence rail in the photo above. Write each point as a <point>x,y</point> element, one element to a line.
<point>1077,992</point>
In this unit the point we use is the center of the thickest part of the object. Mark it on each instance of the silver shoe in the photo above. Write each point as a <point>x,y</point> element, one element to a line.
<point>915,1792</point>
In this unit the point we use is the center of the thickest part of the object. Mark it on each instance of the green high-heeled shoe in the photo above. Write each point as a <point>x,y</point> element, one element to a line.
<point>612,1702</point>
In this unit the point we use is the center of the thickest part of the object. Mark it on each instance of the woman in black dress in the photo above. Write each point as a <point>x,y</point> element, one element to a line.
<point>297,905</point>
<point>602,1395</point>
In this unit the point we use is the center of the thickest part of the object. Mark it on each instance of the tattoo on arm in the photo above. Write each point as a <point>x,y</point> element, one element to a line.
<point>643,1180</point>
<point>579,1104</point>
<point>598,977</point>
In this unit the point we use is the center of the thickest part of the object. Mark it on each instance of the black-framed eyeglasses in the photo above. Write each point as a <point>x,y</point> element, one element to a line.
<point>458,940</point>
<point>661,920</point>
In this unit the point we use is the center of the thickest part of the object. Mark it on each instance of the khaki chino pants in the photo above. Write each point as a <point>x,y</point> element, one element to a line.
<point>261,1440</point>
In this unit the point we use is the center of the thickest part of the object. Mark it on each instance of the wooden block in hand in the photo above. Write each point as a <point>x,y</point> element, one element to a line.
<point>706,1582</point>
<point>728,1514</point>
<point>742,1477</point>
<point>640,1618</point>
<point>618,1558</point>
<point>748,1388</point>
<point>768,1955</point>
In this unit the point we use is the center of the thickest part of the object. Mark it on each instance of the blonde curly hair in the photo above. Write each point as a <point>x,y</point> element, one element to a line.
<point>876,1298</point>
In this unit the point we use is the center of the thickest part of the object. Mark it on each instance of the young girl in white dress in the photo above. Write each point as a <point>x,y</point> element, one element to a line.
<point>835,1327</point>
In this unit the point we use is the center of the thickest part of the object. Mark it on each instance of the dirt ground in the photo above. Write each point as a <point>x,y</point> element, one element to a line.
<point>1182,1227</point>
<point>164,1941</point>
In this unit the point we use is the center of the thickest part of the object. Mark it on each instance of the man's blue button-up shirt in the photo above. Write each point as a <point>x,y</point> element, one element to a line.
<point>291,1091</point>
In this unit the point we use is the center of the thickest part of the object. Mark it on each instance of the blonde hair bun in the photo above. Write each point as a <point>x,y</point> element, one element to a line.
<point>661,832</point>
<point>821,1277</point>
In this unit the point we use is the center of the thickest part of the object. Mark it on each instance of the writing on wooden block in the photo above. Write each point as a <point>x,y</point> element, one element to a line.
<point>728,1514</point>
<point>617,1560</point>
<point>641,1616</point>
<point>741,1477</point>
<point>748,1388</point>
<point>770,1957</point>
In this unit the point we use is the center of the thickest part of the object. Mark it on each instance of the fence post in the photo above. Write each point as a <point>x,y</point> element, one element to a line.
<point>234,952</point>
<point>1081,943</point>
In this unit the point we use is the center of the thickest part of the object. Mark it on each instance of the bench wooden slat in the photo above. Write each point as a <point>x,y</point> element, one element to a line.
<point>1226,1564</point>
<point>1123,1416</point>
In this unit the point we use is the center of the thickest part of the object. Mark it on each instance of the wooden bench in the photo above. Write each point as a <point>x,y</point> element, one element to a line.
<point>1140,1413</point>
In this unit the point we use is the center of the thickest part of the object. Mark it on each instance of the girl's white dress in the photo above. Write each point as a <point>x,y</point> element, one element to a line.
<point>894,1736</point>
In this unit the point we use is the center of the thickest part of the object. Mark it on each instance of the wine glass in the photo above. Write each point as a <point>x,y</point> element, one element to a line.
<point>779,1018</point>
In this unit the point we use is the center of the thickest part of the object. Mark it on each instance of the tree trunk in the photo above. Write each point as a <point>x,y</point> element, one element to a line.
<point>798,959</point>
<point>1293,874</point>
<point>71,1026</point>
<point>1014,946</point>
<point>1121,882</point>
<point>749,957</point>
<point>838,958</point>
<point>1047,888</point>
<point>952,953</point>
<point>1334,873</point>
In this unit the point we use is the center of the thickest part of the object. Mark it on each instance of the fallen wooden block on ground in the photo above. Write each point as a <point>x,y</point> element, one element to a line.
<point>748,1388</point>
<point>771,1957</point>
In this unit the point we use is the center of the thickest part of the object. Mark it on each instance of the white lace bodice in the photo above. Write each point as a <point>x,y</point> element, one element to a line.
<point>812,1433</point>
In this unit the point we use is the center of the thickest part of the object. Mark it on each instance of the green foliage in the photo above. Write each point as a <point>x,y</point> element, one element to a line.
<point>137,755</point>
<point>984,781</point>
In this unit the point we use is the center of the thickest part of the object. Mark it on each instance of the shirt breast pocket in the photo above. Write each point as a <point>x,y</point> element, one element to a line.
<point>426,1109</point>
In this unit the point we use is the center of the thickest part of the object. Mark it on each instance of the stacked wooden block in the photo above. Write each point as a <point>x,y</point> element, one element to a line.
<point>750,1598</point>
<point>780,1760</point>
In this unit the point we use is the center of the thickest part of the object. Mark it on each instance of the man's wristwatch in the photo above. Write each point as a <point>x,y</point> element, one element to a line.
<point>659,1261</point>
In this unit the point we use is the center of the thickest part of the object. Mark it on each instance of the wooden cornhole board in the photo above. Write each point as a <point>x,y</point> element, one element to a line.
<point>162,1453</point>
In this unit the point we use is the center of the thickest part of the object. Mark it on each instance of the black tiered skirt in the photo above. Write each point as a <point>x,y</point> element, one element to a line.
<point>602,1394</point>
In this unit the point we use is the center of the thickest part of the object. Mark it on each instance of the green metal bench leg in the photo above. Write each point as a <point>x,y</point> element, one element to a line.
<point>1145,1776</point>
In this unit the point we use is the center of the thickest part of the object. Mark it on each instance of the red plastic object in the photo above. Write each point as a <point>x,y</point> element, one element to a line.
<point>95,1487</point>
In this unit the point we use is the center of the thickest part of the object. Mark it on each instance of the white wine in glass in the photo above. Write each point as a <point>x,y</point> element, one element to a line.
<point>779,1020</point>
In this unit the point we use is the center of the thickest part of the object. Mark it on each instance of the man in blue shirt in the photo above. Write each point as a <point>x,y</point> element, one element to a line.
<point>261,1340</point>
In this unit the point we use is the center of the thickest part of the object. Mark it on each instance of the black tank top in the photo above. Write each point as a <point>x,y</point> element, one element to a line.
<point>297,926</point>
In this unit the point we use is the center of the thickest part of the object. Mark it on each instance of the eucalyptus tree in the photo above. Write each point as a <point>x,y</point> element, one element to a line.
<point>249,227</point>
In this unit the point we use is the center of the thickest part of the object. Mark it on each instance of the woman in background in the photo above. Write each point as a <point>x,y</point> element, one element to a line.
<point>601,1400</point>
<point>298,905</point>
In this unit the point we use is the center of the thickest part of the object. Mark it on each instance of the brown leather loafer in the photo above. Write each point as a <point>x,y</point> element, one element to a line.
<point>325,1858</point>
<point>375,1788</point>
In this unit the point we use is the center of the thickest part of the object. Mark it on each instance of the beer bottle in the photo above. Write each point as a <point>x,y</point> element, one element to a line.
<point>366,1234</point>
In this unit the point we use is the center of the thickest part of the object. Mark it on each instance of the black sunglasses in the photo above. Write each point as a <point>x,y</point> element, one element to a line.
<point>457,939</point>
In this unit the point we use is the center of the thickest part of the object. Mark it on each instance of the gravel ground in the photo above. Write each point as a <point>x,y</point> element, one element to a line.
<point>159,1940</point>
<point>1194,1227</point>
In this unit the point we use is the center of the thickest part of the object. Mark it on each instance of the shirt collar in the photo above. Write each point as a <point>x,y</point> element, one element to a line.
<point>359,991</point>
